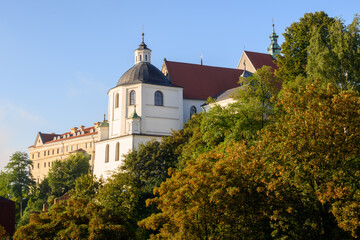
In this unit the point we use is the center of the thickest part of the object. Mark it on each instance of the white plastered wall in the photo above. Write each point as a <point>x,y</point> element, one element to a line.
<point>187,105</point>
<point>127,144</point>
<point>160,120</point>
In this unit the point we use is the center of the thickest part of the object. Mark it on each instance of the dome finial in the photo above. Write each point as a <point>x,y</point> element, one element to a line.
<point>142,34</point>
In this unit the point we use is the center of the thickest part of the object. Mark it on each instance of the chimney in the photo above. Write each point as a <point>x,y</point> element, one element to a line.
<point>73,130</point>
<point>82,127</point>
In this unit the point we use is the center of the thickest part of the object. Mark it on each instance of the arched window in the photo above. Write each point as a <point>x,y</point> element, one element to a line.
<point>132,98</point>
<point>117,151</point>
<point>117,100</point>
<point>159,100</point>
<point>146,57</point>
<point>107,149</point>
<point>192,111</point>
<point>140,57</point>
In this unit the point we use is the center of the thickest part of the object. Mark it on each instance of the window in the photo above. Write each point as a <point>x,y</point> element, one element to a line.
<point>48,152</point>
<point>159,100</point>
<point>146,57</point>
<point>117,151</point>
<point>32,156</point>
<point>44,164</point>
<point>192,111</point>
<point>57,151</point>
<point>85,145</point>
<point>38,154</point>
<point>44,153</point>
<point>48,164</point>
<point>38,165</point>
<point>132,98</point>
<point>107,153</point>
<point>116,100</point>
<point>140,57</point>
<point>53,152</point>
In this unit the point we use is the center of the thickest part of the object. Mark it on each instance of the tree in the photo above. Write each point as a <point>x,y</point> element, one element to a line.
<point>293,61</point>
<point>243,119</point>
<point>336,60</point>
<point>313,151</point>
<point>217,196</point>
<point>79,217</point>
<point>19,177</point>
<point>125,192</point>
<point>63,174</point>
<point>4,183</point>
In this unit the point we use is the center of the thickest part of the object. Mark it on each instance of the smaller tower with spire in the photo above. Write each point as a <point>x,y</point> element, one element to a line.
<point>103,130</point>
<point>143,53</point>
<point>134,123</point>
<point>274,48</point>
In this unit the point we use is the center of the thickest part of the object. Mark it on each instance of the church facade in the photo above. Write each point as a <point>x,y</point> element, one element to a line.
<point>147,103</point>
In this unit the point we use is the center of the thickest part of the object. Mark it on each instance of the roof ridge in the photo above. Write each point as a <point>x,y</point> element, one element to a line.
<point>203,65</point>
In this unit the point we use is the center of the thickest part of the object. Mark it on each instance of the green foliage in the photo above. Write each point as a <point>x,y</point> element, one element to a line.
<point>313,148</point>
<point>4,184</point>
<point>3,233</point>
<point>86,186</point>
<point>336,60</point>
<point>293,61</point>
<point>63,174</point>
<point>74,219</point>
<point>243,119</point>
<point>217,196</point>
<point>19,177</point>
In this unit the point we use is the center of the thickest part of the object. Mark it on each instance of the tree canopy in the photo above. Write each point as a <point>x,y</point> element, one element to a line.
<point>63,173</point>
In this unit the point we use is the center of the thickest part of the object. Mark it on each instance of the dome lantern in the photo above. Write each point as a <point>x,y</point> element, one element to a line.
<point>143,53</point>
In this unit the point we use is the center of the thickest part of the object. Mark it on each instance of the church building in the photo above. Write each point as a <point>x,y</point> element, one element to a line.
<point>147,103</point>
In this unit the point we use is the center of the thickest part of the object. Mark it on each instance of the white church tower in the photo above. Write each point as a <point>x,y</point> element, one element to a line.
<point>143,105</point>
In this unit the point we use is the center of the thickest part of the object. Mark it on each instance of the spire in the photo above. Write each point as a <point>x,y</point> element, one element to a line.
<point>134,114</point>
<point>274,48</point>
<point>104,123</point>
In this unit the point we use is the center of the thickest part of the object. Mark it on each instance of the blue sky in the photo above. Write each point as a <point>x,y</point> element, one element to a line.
<point>58,59</point>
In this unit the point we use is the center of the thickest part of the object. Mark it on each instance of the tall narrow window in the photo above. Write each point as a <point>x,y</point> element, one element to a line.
<point>117,151</point>
<point>146,57</point>
<point>140,57</point>
<point>117,100</point>
<point>132,98</point>
<point>107,153</point>
<point>159,100</point>
<point>192,111</point>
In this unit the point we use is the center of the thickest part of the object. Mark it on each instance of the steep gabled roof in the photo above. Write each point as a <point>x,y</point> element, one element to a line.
<point>200,81</point>
<point>260,59</point>
<point>46,137</point>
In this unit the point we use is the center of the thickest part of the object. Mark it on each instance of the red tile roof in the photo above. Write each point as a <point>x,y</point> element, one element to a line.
<point>49,137</point>
<point>46,137</point>
<point>200,81</point>
<point>260,59</point>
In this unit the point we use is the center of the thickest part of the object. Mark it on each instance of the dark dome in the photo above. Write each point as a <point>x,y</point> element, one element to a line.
<point>143,72</point>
